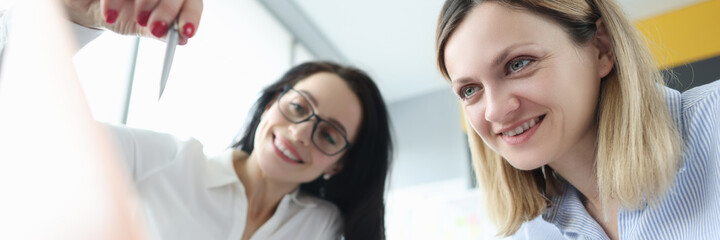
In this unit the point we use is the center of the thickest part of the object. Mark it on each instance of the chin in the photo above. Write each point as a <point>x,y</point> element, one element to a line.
<point>525,163</point>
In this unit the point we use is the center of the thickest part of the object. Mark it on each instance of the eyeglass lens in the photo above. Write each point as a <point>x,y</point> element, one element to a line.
<point>326,137</point>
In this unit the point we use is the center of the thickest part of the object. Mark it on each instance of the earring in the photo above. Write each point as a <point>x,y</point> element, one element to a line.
<point>327,176</point>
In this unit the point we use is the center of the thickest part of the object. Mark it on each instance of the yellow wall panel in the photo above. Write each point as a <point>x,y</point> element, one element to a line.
<point>685,35</point>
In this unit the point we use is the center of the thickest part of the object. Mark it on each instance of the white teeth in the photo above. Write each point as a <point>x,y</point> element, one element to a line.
<point>522,128</point>
<point>285,151</point>
<point>518,130</point>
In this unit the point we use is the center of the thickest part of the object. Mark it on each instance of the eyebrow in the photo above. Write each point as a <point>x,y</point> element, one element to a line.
<point>497,61</point>
<point>504,54</point>
<point>332,120</point>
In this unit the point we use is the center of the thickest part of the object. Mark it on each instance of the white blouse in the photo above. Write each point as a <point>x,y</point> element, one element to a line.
<point>185,195</point>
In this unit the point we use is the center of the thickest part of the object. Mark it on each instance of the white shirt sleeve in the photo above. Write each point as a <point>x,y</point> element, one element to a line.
<point>145,152</point>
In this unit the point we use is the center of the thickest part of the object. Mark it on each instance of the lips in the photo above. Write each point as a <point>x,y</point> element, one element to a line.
<point>520,128</point>
<point>286,151</point>
<point>521,132</point>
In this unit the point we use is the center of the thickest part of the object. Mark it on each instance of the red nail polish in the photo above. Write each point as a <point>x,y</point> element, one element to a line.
<point>143,17</point>
<point>111,16</point>
<point>158,28</point>
<point>189,30</point>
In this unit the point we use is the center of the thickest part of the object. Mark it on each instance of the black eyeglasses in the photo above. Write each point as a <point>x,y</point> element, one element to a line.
<point>326,136</point>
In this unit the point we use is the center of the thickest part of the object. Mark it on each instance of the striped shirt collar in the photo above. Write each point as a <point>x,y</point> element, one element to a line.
<point>567,212</point>
<point>688,211</point>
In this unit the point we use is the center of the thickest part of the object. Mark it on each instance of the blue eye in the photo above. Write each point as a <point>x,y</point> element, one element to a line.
<point>468,91</point>
<point>517,65</point>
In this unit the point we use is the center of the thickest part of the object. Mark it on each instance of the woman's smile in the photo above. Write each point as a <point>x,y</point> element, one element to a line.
<point>521,132</point>
<point>286,151</point>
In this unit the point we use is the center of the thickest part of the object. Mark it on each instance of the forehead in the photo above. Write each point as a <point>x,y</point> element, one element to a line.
<point>334,100</point>
<point>490,28</point>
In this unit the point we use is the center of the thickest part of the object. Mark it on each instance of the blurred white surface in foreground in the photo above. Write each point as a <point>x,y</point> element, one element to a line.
<point>440,210</point>
<point>58,172</point>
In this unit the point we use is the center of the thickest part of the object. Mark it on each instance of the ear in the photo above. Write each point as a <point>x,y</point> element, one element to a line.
<point>605,54</point>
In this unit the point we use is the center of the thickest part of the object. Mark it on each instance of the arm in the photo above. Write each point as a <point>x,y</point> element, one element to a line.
<point>139,17</point>
<point>83,35</point>
<point>121,16</point>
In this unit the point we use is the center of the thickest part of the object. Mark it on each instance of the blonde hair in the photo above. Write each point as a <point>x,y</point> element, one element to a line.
<point>638,145</point>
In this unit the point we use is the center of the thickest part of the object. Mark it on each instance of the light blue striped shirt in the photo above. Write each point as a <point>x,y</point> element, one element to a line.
<point>691,210</point>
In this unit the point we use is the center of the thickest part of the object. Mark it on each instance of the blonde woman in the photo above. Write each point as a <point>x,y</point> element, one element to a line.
<point>575,135</point>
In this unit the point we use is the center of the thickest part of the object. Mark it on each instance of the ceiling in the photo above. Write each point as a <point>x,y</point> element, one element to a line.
<point>393,40</point>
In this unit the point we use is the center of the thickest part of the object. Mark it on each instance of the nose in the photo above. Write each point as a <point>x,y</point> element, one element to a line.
<point>301,132</point>
<point>499,105</point>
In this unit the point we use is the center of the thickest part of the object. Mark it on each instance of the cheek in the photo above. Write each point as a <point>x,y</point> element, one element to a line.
<point>475,116</point>
<point>324,161</point>
<point>266,120</point>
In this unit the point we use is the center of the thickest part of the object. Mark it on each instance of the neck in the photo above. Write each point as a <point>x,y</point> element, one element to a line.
<point>578,168</point>
<point>263,193</point>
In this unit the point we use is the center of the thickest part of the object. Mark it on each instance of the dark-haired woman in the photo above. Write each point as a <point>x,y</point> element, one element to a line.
<point>311,164</point>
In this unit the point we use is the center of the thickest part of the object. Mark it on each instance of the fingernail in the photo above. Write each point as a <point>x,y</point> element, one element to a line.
<point>143,17</point>
<point>189,30</point>
<point>111,16</point>
<point>158,28</point>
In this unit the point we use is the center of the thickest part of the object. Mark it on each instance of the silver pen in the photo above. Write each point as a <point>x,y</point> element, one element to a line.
<point>173,36</point>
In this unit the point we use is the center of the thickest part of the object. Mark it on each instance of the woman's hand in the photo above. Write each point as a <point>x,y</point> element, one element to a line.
<point>150,18</point>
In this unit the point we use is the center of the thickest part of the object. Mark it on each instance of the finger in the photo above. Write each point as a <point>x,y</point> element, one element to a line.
<point>163,16</point>
<point>111,10</point>
<point>189,18</point>
<point>143,8</point>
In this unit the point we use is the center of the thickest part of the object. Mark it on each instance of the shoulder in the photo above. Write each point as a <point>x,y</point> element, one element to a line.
<point>319,207</point>
<point>146,151</point>
<point>700,128</point>
<point>701,96</point>
<point>156,141</point>
<point>318,214</point>
<point>701,110</point>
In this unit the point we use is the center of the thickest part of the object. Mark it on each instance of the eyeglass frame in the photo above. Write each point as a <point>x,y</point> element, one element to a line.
<point>312,114</point>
